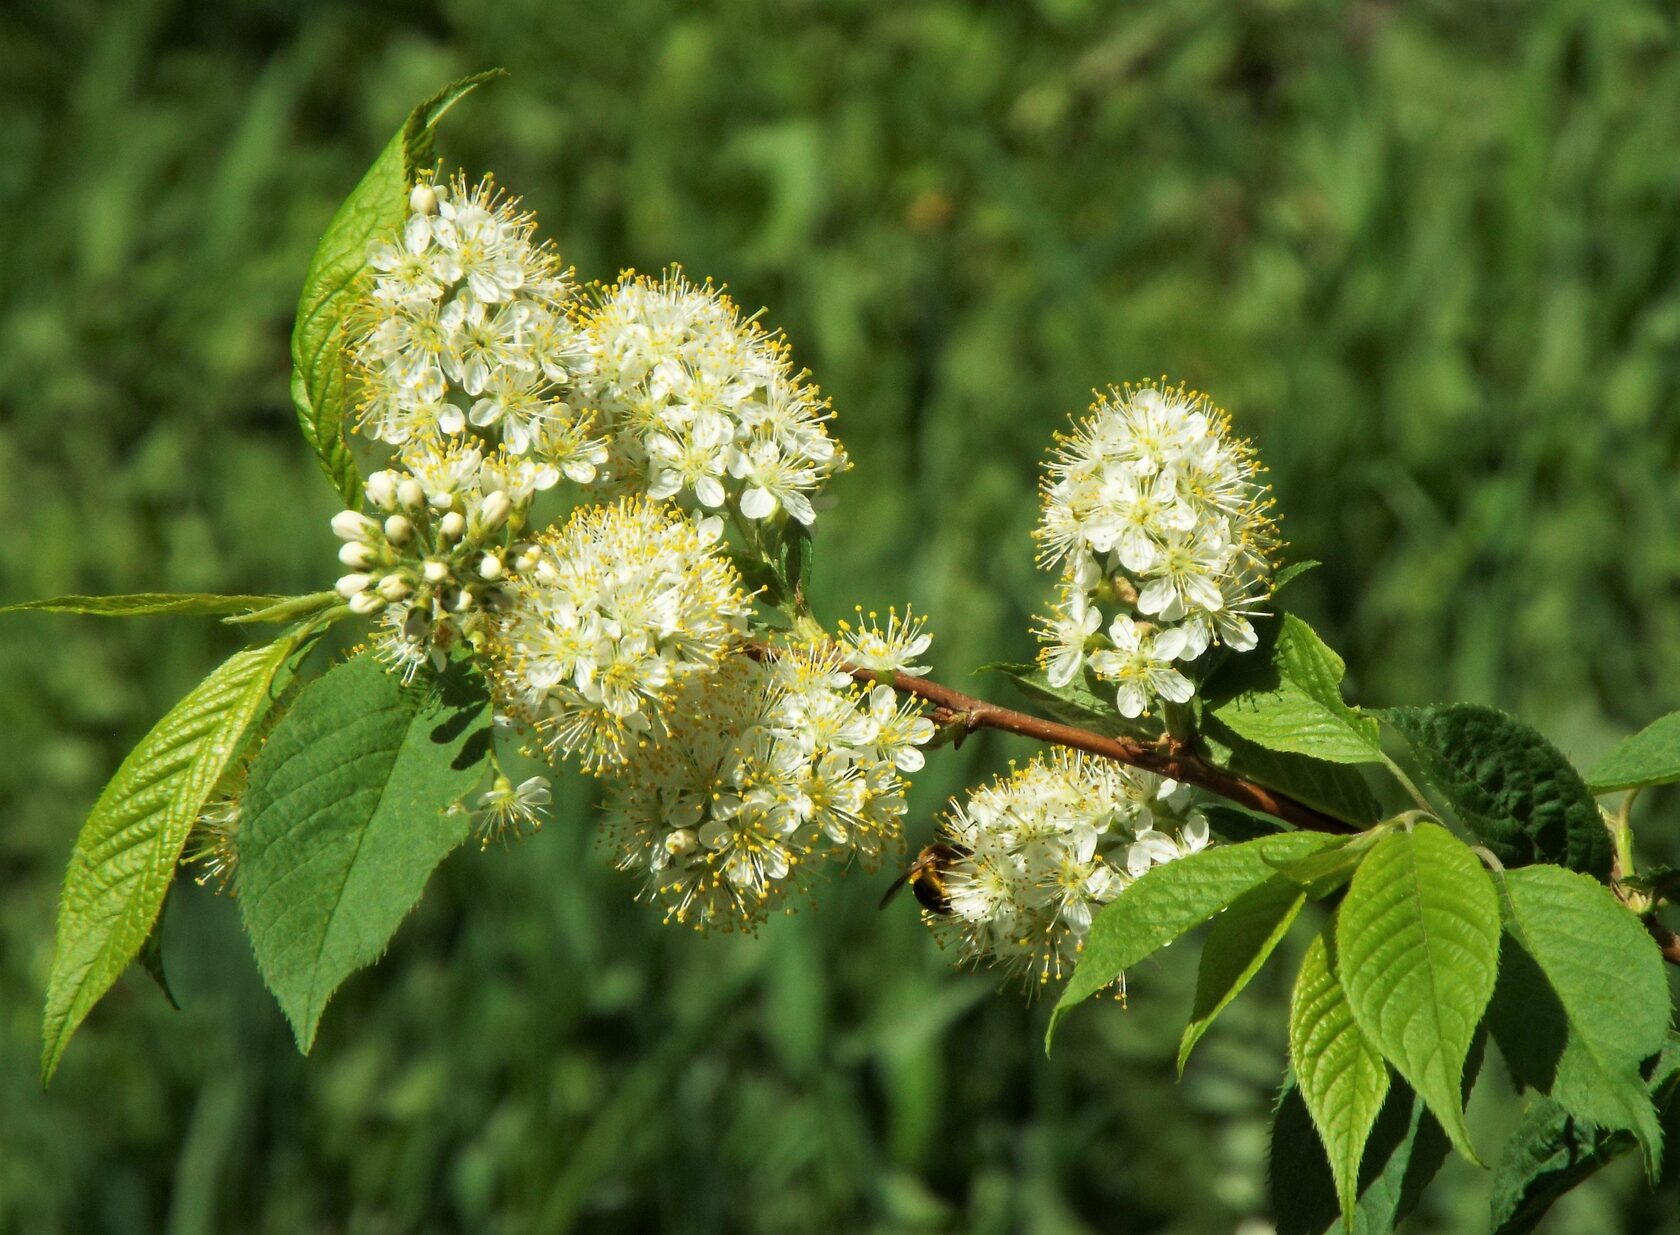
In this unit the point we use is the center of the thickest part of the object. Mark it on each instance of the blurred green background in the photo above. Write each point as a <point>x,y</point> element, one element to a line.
<point>1427,254</point>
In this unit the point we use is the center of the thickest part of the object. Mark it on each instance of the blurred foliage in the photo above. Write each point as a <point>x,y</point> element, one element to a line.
<point>1426,253</point>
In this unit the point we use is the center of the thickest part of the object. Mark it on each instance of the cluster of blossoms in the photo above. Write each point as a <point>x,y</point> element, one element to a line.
<point>1154,511</point>
<point>607,618</point>
<point>700,404</point>
<point>433,555</point>
<point>1040,851</point>
<point>763,768</point>
<point>467,322</point>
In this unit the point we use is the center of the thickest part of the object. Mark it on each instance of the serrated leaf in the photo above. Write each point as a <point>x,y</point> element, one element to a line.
<point>346,816</point>
<point>1649,757</point>
<point>1235,825</point>
<point>320,374</point>
<point>1552,1152</point>
<point>1417,950</point>
<point>1565,1030</point>
<point>143,604</point>
<point>1239,943</point>
<point>1508,784</point>
<point>1342,1077</point>
<point>1286,695</point>
<point>1405,1149</point>
<point>150,957</point>
<point>1336,789</point>
<point>1166,902</point>
<point>126,853</point>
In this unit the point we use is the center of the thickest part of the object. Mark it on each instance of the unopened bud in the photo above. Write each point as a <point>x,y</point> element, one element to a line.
<point>366,604</point>
<point>452,526</point>
<point>435,571</point>
<point>490,567</point>
<point>356,555</point>
<point>353,525</point>
<point>422,199</point>
<point>395,587</point>
<point>354,585</point>
<point>494,510</point>
<point>410,495</point>
<point>462,601</point>
<point>398,530</point>
<point>382,489</point>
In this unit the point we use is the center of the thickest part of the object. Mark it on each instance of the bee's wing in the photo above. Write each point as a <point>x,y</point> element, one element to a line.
<point>896,888</point>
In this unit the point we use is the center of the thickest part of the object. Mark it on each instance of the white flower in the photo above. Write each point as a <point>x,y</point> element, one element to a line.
<point>892,650</point>
<point>507,809</point>
<point>1154,510</point>
<point>761,773</point>
<point>1142,667</point>
<point>605,620</point>
<point>1042,850</point>
<point>701,405</point>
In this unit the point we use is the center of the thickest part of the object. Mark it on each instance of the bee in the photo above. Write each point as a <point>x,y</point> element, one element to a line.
<point>926,877</point>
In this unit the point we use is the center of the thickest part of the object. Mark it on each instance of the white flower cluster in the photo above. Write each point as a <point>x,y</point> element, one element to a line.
<point>1154,510</point>
<point>1043,849</point>
<point>606,619</point>
<point>762,769</point>
<point>432,556</point>
<point>467,322</point>
<point>700,404</point>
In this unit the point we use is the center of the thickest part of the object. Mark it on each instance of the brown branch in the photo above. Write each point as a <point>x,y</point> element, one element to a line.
<point>1167,757</point>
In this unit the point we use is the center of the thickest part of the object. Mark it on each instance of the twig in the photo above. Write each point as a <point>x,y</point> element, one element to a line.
<point>1169,757</point>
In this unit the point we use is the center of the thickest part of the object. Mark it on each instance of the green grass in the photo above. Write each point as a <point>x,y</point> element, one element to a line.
<point>1427,255</point>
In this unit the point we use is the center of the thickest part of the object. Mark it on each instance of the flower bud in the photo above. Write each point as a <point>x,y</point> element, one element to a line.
<point>410,495</point>
<point>490,567</point>
<point>353,585</point>
<point>398,530</point>
<point>357,556</point>
<point>366,604</point>
<point>382,489</point>
<point>423,199</point>
<point>494,510</point>
<point>395,587</point>
<point>452,526</point>
<point>435,571</point>
<point>353,525</point>
<point>462,601</point>
<point>525,555</point>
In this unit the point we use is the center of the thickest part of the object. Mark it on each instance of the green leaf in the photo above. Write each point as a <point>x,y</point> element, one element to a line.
<point>1322,873</point>
<point>1405,1150</point>
<point>1342,1077</point>
<point>1508,784</point>
<point>1417,950</point>
<point>1336,789</point>
<point>346,815</point>
<point>125,856</point>
<point>1286,695</point>
<point>143,604</point>
<point>1290,573</point>
<point>1562,1027</point>
<point>1649,757</point>
<point>1552,1152</point>
<point>151,956</point>
<point>1165,903</point>
<point>1238,944</point>
<point>1234,825</point>
<point>320,373</point>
